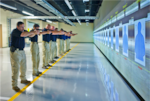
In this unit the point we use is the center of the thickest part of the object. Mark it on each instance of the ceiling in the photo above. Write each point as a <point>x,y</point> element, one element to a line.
<point>78,6</point>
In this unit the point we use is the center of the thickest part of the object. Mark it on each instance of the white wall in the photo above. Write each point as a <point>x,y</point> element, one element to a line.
<point>85,33</point>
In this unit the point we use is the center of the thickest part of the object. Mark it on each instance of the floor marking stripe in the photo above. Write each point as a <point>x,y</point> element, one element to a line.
<point>24,88</point>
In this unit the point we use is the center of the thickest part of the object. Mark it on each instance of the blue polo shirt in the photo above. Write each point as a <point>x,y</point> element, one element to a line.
<point>46,37</point>
<point>16,40</point>
<point>34,39</point>
<point>67,37</point>
<point>54,38</point>
<point>60,36</point>
<point>64,37</point>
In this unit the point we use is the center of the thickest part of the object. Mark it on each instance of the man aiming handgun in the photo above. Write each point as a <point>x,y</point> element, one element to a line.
<point>17,54</point>
<point>35,50</point>
<point>46,45</point>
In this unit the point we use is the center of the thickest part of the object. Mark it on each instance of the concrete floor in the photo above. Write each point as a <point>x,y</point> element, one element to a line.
<point>79,76</point>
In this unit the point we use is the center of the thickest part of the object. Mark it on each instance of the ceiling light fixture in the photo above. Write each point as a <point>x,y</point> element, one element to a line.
<point>68,4</point>
<point>74,13</point>
<point>5,5</point>
<point>85,0</point>
<point>48,21</point>
<point>87,10</point>
<point>79,21</point>
<point>27,13</point>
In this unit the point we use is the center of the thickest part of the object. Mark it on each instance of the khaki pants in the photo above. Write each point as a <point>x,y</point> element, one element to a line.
<point>50,56</point>
<point>35,57</point>
<point>58,47</point>
<point>62,46</point>
<point>66,45</point>
<point>18,61</point>
<point>52,51</point>
<point>46,53</point>
<point>55,49</point>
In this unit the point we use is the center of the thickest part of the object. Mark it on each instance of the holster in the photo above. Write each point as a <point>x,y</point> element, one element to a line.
<point>12,49</point>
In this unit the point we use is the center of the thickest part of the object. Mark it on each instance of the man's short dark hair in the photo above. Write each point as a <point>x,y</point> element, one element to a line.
<point>36,25</point>
<point>19,23</point>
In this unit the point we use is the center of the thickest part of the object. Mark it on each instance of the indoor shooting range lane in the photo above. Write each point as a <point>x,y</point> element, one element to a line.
<point>84,74</point>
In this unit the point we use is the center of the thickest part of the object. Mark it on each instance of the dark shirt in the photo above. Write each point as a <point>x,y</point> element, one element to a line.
<point>46,37</point>
<point>67,37</point>
<point>16,40</point>
<point>64,37</point>
<point>60,36</point>
<point>34,39</point>
<point>54,38</point>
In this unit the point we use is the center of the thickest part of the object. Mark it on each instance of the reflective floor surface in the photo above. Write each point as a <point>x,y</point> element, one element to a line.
<point>83,74</point>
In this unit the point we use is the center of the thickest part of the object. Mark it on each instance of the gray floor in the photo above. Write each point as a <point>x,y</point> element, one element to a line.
<point>82,75</point>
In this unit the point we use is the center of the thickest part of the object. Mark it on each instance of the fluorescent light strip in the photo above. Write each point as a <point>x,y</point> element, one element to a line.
<point>27,13</point>
<point>85,0</point>
<point>79,21</point>
<point>5,5</point>
<point>68,4</point>
<point>49,21</point>
<point>87,10</point>
<point>74,13</point>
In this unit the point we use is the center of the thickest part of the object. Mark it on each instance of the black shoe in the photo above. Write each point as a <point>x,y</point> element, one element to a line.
<point>51,61</point>
<point>25,81</point>
<point>48,65</point>
<point>45,67</point>
<point>56,57</point>
<point>39,72</point>
<point>16,88</point>
<point>54,60</point>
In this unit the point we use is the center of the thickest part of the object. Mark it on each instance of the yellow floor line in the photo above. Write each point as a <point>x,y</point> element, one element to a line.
<point>24,88</point>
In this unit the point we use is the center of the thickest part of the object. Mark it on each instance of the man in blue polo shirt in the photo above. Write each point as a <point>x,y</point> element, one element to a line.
<point>59,38</point>
<point>55,50</point>
<point>46,45</point>
<point>66,44</point>
<point>53,45</point>
<point>35,50</point>
<point>46,48</point>
<point>17,54</point>
<point>68,41</point>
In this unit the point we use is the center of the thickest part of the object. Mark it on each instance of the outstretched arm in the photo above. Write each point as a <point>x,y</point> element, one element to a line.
<point>29,34</point>
<point>46,32</point>
<point>57,33</point>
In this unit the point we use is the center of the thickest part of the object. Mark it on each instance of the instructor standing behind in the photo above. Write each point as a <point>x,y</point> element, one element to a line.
<point>17,54</point>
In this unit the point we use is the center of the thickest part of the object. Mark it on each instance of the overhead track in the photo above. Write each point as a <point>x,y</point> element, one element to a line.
<point>49,7</point>
<point>56,17</point>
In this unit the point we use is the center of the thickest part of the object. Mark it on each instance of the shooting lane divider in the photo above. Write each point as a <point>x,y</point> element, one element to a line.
<point>140,67</point>
<point>24,88</point>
